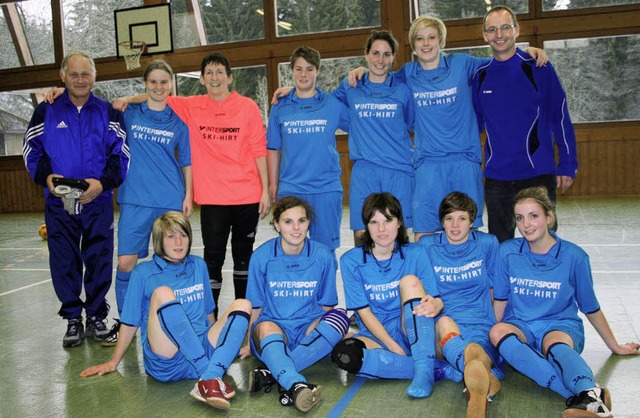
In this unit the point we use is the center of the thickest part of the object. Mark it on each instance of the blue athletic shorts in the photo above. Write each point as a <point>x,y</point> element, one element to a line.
<point>535,331</point>
<point>367,178</point>
<point>395,331</point>
<point>325,228</point>
<point>134,228</point>
<point>175,368</point>
<point>435,180</point>
<point>294,332</point>
<point>479,334</point>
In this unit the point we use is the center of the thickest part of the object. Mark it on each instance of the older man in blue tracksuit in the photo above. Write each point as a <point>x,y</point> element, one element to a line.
<point>78,137</point>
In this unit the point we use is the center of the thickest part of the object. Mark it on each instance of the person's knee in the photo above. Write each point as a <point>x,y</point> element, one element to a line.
<point>242,305</point>
<point>348,355</point>
<point>338,319</point>
<point>497,334</point>
<point>127,263</point>
<point>163,294</point>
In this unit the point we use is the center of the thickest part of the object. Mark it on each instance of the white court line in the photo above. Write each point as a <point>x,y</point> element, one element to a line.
<point>24,287</point>
<point>229,271</point>
<point>46,281</point>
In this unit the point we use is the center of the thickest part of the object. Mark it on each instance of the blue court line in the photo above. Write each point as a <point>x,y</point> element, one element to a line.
<point>343,403</point>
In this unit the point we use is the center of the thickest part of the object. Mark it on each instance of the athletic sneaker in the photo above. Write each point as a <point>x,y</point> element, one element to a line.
<point>75,333</point>
<point>211,392</point>
<point>261,379</point>
<point>302,395</point>
<point>594,402</point>
<point>477,382</point>
<point>97,328</point>
<point>112,337</point>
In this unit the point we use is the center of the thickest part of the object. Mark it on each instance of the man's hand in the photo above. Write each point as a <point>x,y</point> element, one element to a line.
<point>94,190</point>
<point>52,188</point>
<point>563,183</point>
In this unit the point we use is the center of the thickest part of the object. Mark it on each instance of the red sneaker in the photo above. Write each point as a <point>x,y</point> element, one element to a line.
<point>227,390</point>
<point>211,392</point>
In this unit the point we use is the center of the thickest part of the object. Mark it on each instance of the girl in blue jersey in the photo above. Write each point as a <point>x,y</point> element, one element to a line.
<point>156,182</point>
<point>463,261</point>
<point>381,115</point>
<point>540,284</point>
<point>169,300</point>
<point>292,286</point>
<point>389,283</point>
<point>301,143</point>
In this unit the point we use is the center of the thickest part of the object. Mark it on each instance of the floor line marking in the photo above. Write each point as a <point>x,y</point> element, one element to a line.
<point>24,287</point>
<point>348,396</point>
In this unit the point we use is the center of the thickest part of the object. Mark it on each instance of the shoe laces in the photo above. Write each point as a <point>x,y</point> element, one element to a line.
<point>98,323</point>
<point>73,326</point>
<point>585,397</point>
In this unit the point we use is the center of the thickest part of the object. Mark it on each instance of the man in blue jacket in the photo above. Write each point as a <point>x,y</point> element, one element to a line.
<point>78,137</point>
<point>523,109</point>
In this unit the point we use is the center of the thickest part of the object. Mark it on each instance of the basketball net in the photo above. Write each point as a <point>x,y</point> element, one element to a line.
<point>132,51</point>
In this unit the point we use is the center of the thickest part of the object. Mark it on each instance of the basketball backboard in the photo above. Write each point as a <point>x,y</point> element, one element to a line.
<point>149,24</point>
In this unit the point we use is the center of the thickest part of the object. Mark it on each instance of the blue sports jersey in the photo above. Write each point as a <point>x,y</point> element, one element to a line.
<point>189,281</point>
<point>376,284</point>
<point>547,287</point>
<point>304,129</point>
<point>446,124</point>
<point>292,289</point>
<point>381,116</point>
<point>154,178</point>
<point>524,111</point>
<point>464,275</point>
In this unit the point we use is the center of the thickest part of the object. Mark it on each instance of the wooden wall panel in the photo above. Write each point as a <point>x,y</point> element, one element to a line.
<point>18,193</point>
<point>609,161</point>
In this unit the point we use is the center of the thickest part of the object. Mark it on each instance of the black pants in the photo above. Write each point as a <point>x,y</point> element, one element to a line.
<point>499,196</point>
<point>217,222</point>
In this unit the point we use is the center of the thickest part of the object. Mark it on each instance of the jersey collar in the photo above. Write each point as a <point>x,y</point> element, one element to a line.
<point>277,247</point>
<point>554,251</point>
<point>397,250</point>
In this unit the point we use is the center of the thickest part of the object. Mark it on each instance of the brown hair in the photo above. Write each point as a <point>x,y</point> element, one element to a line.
<point>458,201</point>
<point>388,205</point>
<point>312,56</point>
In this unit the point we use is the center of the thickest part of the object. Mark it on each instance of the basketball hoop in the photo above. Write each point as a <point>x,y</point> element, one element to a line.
<point>132,51</point>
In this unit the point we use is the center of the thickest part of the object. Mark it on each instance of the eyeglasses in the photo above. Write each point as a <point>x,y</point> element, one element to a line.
<point>504,28</point>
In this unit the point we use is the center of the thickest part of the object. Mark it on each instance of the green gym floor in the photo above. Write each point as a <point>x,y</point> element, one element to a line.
<point>42,379</point>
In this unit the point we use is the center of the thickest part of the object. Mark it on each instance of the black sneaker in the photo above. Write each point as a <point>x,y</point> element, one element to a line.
<point>588,403</point>
<point>97,328</point>
<point>302,395</point>
<point>112,337</point>
<point>261,379</point>
<point>74,334</point>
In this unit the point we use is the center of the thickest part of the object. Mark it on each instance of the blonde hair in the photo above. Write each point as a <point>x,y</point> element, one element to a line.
<point>169,221</point>
<point>424,21</point>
